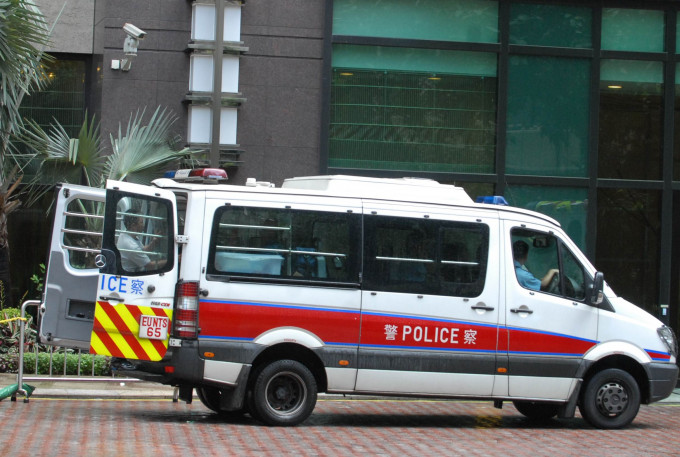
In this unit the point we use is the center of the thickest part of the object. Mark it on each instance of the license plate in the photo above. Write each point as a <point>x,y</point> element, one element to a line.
<point>153,327</point>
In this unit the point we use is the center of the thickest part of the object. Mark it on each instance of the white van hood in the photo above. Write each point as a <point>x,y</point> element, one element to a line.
<point>634,313</point>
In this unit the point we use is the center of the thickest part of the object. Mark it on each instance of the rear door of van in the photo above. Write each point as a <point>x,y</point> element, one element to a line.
<point>430,300</point>
<point>71,274</point>
<point>138,273</point>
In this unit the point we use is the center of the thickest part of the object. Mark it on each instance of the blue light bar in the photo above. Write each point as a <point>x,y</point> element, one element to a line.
<point>493,200</point>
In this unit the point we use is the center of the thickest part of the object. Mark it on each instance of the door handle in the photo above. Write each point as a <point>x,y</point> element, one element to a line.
<point>521,310</point>
<point>110,297</point>
<point>482,307</point>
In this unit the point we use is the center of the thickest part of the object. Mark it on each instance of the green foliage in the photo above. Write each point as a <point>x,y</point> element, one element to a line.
<point>10,333</point>
<point>38,280</point>
<point>102,364</point>
<point>23,33</point>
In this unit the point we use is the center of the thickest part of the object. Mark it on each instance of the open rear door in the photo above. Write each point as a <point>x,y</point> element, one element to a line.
<point>138,273</point>
<point>71,276</point>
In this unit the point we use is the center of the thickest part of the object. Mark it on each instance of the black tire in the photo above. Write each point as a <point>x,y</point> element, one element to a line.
<point>211,398</point>
<point>535,410</point>
<point>611,399</point>
<point>284,393</point>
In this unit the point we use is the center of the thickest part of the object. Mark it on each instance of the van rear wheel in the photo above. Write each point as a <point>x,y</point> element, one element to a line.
<point>536,410</point>
<point>611,399</point>
<point>284,393</point>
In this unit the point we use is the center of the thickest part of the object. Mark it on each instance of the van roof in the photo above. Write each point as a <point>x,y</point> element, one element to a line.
<point>406,189</point>
<point>411,190</point>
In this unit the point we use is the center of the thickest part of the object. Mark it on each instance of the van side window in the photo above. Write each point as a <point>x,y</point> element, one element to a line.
<point>425,256</point>
<point>282,243</point>
<point>542,262</point>
<point>82,232</point>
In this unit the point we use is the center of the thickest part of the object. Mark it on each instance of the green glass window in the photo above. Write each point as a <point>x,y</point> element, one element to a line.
<point>568,205</point>
<point>62,100</point>
<point>462,20</point>
<point>631,119</point>
<point>412,109</point>
<point>628,243</point>
<point>676,137</point>
<point>547,124</point>
<point>632,30</point>
<point>677,36</point>
<point>550,25</point>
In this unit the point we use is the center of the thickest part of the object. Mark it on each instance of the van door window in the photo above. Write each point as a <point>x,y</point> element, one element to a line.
<point>425,256</point>
<point>543,263</point>
<point>82,232</point>
<point>282,243</point>
<point>143,235</point>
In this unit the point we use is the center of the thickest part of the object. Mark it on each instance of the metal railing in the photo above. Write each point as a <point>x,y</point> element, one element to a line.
<point>51,376</point>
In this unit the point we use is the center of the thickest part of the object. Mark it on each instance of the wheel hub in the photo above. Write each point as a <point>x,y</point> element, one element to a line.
<point>612,399</point>
<point>285,393</point>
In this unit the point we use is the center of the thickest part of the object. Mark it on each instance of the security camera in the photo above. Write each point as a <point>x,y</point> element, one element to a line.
<point>134,31</point>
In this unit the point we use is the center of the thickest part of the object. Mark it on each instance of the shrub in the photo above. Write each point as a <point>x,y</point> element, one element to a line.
<point>102,364</point>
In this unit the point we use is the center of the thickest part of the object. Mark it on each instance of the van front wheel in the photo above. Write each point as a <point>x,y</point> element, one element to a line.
<point>284,393</point>
<point>611,399</point>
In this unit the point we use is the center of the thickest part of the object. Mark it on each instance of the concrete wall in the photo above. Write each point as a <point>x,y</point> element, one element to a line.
<point>159,74</point>
<point>281,77</point>
<point>74,28</point>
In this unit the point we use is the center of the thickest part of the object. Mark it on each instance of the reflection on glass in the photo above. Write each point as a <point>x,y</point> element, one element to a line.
<point>462,20</point>
<point>628,243</point>
<point>676,137</point>
<point>569,206</point>
<point>550,25</point>
<point>547,127</point>
<point>412,109</point>
<point>632,30</point>
<point>631,119</point>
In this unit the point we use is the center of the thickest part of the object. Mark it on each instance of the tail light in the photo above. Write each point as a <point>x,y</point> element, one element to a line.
<point>185,316</point>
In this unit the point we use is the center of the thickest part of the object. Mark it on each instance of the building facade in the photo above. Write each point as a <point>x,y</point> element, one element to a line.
<point>567,108</point>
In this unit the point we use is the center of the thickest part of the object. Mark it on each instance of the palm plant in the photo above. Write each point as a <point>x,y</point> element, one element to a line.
<point>23,33</point>
<point>139,154</point>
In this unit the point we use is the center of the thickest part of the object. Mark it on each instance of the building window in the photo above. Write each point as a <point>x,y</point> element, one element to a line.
<point>62,100</point>
<point>462,20</point>
<point>550,25</point>
<point>628,243</point>
<point>632,30</point>
<point>548,116</point>
<point>568,205</point>
<point>631,119</point>
<point>412,109</point>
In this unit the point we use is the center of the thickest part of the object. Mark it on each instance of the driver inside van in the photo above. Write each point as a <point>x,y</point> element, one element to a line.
<point>132,251</point>
<point>520,252</point>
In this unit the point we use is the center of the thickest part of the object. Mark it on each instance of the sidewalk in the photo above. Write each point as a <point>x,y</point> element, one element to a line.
<point>88,387</point>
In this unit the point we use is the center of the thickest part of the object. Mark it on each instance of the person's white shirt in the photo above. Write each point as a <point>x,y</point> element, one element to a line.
<point>132,255</point>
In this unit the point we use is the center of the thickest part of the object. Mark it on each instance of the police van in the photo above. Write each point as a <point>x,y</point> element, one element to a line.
<point>259,298</point>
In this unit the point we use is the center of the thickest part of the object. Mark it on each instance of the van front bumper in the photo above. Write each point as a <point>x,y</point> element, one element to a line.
<point>662,380</point>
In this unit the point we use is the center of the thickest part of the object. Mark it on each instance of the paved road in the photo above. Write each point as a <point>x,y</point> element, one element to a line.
<point>159,427</point>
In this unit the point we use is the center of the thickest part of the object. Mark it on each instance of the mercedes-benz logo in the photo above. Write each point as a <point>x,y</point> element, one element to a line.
<point>100,260</point>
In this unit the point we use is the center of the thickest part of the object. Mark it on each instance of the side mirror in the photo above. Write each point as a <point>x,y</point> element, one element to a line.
<point>595,294</point>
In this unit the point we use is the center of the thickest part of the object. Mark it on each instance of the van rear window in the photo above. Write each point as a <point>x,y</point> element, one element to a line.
<point>284,243</point>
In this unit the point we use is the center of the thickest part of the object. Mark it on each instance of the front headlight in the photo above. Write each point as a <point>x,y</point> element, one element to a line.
<point>667,336</point>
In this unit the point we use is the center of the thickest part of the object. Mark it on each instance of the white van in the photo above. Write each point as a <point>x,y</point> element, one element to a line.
<point>260,297</point>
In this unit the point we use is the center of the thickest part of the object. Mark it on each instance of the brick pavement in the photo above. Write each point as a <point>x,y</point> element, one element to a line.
<point>338,427</point>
